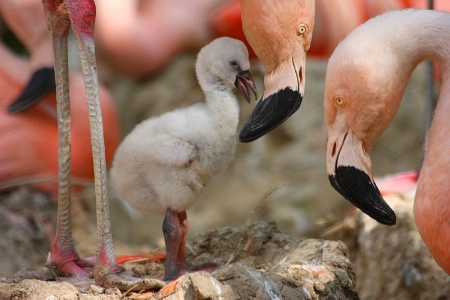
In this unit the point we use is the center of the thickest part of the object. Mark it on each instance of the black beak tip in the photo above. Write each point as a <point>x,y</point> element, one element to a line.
<point>269,113</point>
<point>357,187</point>
<point>41,82</point>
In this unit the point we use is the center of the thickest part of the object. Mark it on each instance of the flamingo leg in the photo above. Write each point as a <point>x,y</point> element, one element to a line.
<point>175,227</point>
<point>63,254</point>
<point>81,14</point>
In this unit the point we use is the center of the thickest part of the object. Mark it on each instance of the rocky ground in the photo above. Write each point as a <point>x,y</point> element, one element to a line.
<point>391,262</point>
<point>280,177</point>
<point>254,262</point>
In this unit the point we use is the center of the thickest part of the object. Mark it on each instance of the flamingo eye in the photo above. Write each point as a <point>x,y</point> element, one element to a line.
<point>340,101</point>
<point>302,29</point>
<point>233,64</point>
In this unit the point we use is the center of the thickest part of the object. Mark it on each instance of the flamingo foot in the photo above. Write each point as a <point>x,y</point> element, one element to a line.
<point>169,289</point>
<point>161,256</point>
<point>107,276</point>
<point>142,257</point>
<point>71,266</point>
<point>398,183</point>
<point>108,273</point>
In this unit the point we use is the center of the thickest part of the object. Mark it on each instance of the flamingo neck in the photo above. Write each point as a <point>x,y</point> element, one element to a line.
<point>393,48</point>
<point>432,202</point>
<point>403,41</point>
<point>425,37</point>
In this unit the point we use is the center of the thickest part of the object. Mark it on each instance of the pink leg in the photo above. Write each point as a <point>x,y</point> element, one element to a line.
<point>175,227</point>
<point>81,13</point>
<point>63,255</point>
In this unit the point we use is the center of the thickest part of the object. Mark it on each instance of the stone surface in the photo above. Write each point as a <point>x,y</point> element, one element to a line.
<point>253,262</point>
<point>392,262</point>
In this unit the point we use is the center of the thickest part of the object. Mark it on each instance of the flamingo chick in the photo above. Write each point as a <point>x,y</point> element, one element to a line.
<point>163,164</point>
<point>365,81</point>
<point>280,33</point>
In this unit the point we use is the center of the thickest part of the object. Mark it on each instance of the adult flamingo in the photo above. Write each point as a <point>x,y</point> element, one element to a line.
<point>366,78</point>
<point>280,34</point>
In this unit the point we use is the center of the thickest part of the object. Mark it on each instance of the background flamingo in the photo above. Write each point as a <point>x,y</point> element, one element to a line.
<point>145,38</point>
<point>361,99</point>
<point>28,140</point>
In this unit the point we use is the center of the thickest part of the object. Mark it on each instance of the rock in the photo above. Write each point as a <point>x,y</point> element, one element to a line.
<point>35,289</point>
<point>26,221</point>
<point>392,262</point>
<point>255,261</point>
<point>259,262</point>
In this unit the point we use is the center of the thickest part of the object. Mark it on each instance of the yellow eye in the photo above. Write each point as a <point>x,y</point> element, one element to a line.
<point>302,29</point>
<point>340,101</point>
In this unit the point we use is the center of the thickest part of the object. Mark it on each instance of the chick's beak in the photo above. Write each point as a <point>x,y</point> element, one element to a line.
<point>244,82</point>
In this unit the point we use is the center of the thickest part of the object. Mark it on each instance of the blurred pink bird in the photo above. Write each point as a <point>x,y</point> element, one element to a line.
<point>29,138</point>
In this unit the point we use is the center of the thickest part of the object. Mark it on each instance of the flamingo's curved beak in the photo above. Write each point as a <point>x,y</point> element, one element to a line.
<point>349,173</point>
<point>283,95</point>
<point>41,82</point>
<point>244,82</point>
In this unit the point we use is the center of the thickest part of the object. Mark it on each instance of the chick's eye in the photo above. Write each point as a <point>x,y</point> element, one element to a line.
<point>233,64</point>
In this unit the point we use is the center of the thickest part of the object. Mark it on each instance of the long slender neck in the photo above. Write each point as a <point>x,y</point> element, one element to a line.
<point>388,48</point>
<point>404,39</point>
<point>425,36</point>
<point>432,201</point>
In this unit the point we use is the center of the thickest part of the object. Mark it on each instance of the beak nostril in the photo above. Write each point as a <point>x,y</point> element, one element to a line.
<point>333,152</point>
<point>300,74</point>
